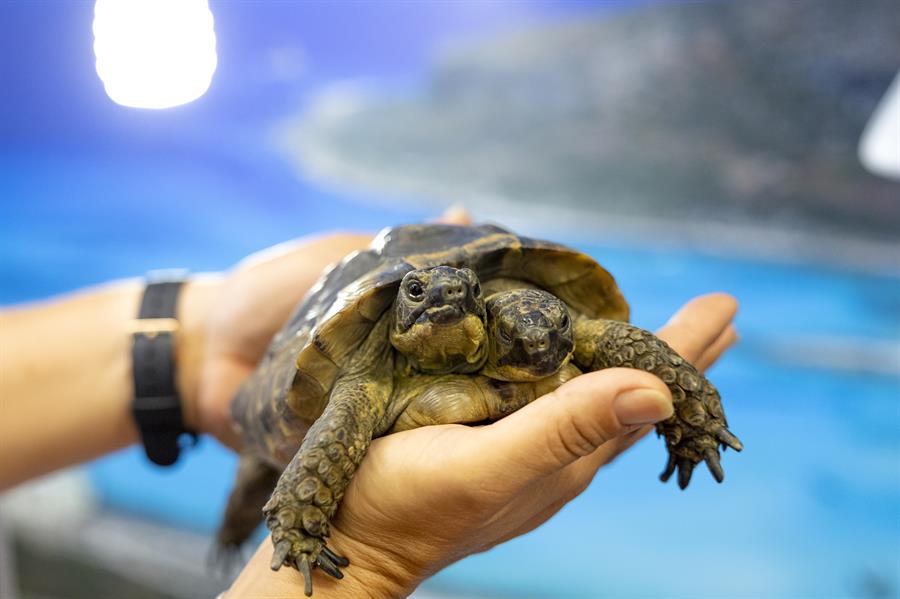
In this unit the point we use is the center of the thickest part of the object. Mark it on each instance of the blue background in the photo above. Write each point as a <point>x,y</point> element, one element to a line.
<point>92,191</point>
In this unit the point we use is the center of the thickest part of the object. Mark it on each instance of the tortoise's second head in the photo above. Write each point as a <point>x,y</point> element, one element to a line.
<point>530,334</point>
<point>440,320</point>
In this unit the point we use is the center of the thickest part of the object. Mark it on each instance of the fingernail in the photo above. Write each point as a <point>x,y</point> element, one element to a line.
<point>642,406</point>
<point>456,213</point>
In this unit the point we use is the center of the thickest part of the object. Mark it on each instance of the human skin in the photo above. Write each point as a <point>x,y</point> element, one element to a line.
<point>65,364</point>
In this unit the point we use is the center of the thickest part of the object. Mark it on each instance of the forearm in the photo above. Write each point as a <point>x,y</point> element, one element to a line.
<point>65,365</point>
<point>66,375</point>
<point>65,380</point>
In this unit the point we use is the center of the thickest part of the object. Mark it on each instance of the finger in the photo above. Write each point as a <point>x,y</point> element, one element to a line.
<point>610,450</point>
<point>712,353</point>
<point>578,475</point>
<point>455,215</point>
<point>528,525</point>
<point>548,495</point>
<point>289,256</point>
<point>564,426</point>
<point>698,324</point>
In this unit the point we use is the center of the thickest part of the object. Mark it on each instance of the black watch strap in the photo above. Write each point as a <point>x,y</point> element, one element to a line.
<point>157,405</point>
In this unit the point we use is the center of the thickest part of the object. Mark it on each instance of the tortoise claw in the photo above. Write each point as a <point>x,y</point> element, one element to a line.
<point>328,566</point>
<point>670,468</point>
<point>685,468</point>
<point>340,560</point>
<point>712,462</point>
<point>281,551</point>
<point>725,436</point>
<point>304,568</point>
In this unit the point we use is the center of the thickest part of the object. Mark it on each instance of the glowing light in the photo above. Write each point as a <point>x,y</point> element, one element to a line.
<point>154,53</point>
<point>879,148</point>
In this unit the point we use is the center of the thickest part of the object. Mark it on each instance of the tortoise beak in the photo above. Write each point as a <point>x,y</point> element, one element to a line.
<point>446,314</point>
<point>539,351</point>
<point>447,302</point>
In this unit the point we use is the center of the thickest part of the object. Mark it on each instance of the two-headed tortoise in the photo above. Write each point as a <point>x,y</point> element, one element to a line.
<point>411,307</point>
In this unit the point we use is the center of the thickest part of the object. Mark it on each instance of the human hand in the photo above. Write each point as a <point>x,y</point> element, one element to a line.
<point>229,319</point>
<point>425,498</point>
<point>232,317</point>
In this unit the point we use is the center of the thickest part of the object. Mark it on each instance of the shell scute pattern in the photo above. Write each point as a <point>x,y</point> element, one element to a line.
<point>330,324</point>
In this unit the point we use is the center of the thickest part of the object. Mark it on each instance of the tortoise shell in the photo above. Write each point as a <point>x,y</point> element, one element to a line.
<point>337,314</point>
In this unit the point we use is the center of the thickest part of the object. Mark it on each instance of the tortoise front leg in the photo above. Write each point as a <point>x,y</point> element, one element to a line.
<point>309,491</point>
<point>698,426</point>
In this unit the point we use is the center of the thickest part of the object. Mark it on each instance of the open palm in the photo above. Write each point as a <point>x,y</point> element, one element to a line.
<point>255,299</point>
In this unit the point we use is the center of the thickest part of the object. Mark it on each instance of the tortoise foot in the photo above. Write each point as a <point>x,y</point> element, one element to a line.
<point>696,432</point>
<point>684,459</point>
<point>697,428</point>
<point>299,529</point>
<point>298,550</point>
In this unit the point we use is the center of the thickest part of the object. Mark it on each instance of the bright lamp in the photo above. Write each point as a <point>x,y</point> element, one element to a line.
<point>154,53</point>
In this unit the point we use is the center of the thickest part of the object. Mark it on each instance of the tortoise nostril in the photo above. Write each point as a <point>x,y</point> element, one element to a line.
<point>453,292</point>
<point>536,343</point>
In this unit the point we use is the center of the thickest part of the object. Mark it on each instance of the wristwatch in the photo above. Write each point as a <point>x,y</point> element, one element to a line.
<point>157,405</point>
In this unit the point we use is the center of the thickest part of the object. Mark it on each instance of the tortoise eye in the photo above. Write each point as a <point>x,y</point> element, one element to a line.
<point>564,323</point>
<point>415,291</point>
<point>476,289</point>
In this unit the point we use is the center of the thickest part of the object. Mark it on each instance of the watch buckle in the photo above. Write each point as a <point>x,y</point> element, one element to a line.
<point>151,327</point>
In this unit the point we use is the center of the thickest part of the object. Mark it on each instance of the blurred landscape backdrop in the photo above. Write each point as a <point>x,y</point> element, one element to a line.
<point>690,147</point>
<point>745,115</point>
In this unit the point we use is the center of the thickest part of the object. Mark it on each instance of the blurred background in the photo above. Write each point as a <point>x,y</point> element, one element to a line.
<point>689,147</point>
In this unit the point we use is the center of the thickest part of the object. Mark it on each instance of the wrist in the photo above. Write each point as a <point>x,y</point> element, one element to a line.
<point>197,297</point>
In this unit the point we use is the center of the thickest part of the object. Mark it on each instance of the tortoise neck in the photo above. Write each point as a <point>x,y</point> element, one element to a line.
<point>430,348</point>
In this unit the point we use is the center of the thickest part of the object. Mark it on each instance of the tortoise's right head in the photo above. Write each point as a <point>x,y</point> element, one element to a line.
<point>440,319</point>
<point>531,335</point>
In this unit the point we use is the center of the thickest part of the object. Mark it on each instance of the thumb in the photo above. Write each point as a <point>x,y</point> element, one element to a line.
<point>455,215</point>
<point>572,422</point>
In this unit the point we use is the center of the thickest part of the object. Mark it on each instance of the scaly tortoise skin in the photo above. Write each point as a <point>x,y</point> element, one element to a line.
<point>325,387</point>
